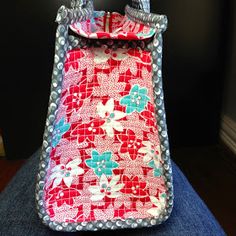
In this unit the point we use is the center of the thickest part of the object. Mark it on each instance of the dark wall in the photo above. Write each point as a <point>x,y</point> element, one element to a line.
<point>192,70</point>
<point>195,51</point>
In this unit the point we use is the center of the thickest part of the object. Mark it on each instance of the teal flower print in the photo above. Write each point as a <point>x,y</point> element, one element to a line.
<point>136,100</point>
<point>148,34</point>
<point>60,128</point>
<point>101,164</point>
<point>156,171</point>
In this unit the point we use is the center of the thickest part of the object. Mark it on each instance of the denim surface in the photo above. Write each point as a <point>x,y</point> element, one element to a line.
<point>18,216</point>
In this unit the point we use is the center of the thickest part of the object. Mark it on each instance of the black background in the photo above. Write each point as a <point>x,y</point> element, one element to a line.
<point>194,63</point>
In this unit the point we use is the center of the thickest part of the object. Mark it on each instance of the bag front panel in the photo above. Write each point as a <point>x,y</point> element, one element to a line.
<point>105,161</point>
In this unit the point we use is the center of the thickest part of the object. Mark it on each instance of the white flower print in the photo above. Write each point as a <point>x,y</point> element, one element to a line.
<point>110,189</point>
<point>111,117</point>
<point>159,203</point>
<point>66,172</point>
<point>150,150</point>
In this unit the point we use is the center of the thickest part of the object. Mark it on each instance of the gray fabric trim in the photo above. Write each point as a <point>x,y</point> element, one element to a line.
<point>70,16</point>
<point>142,5</point>
<point>153,20</point>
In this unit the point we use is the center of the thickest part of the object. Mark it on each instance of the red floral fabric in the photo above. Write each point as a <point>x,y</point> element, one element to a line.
<point>106,160</point>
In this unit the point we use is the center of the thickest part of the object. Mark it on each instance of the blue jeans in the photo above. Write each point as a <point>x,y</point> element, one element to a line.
<point>18,217</point>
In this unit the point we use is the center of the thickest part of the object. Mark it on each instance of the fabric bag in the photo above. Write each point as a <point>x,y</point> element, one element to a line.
<point>105,161</point>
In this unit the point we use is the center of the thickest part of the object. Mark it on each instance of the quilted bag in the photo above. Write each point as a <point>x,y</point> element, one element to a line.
<point>105,161</point>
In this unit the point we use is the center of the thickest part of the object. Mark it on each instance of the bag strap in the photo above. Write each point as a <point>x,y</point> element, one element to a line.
<point>82,10</point>
<point>137,4</point>
<point>142,5</point>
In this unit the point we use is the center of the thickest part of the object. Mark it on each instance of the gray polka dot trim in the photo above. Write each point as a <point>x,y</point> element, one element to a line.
<point>153,20</point>
<point>70,16</point>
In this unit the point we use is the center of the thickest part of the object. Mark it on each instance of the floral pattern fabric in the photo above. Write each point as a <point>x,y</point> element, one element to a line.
<point>105,161</point>
<point>112,25</point>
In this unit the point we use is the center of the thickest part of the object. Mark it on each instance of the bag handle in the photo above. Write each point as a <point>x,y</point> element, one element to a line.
<point>83,10</point>
<point>137,4</point>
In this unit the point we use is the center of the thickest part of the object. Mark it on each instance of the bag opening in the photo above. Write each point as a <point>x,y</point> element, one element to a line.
<point>106,25</point>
